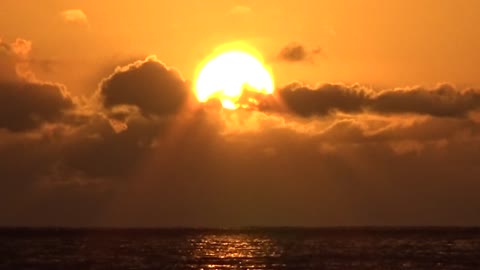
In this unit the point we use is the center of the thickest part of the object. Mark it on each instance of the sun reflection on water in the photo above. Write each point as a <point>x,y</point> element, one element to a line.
<point>239,251</point>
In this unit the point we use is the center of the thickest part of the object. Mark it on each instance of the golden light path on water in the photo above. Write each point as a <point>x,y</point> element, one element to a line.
<point>222,251</point>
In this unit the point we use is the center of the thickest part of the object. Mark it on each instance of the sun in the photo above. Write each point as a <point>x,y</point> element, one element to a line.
<point>235,75</point>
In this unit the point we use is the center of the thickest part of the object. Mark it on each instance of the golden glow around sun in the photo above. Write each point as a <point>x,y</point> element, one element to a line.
<point>228,73</point>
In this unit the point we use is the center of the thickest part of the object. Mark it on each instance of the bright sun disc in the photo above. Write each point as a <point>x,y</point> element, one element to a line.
<point>228,74</point>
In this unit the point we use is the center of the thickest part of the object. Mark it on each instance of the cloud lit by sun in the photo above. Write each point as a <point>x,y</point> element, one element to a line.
<point>74,16</point>
<point>230,74</point>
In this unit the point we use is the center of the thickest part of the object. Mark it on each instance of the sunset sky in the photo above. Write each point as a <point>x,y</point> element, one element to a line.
<point>374,118</point>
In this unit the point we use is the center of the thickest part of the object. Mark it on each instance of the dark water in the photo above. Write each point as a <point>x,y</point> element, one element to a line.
<point>339,248</point>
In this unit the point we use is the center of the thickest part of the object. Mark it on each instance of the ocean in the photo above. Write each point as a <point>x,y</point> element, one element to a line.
<point>251,248</point>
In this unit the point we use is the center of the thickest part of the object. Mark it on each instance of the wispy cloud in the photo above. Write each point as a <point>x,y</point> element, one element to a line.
<point>74,16</point>
<point>295,52</point>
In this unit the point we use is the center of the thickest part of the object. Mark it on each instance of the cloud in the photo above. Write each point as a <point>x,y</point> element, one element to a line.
<point>27,104</point>
<point>149,85</point>
<point>74,16</point>
<point>295,52</point>
<point>7,63</point>
<point>359,156</point>
<point>21,47</point>
<point>442,101</point>
<point>14,59</point>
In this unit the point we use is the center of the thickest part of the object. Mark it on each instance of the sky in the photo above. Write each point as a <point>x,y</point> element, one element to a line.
<point>375,118</point>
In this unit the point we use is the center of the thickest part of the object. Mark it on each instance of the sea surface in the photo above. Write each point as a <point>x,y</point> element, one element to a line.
<point>253,248</point>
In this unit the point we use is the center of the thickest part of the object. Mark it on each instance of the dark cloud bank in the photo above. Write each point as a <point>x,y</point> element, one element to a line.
<point>140,152</point>
<point>441,101</point>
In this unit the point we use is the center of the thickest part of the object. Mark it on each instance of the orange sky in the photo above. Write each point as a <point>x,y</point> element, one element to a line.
<point>384,43</point>
<point>83,143</point>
